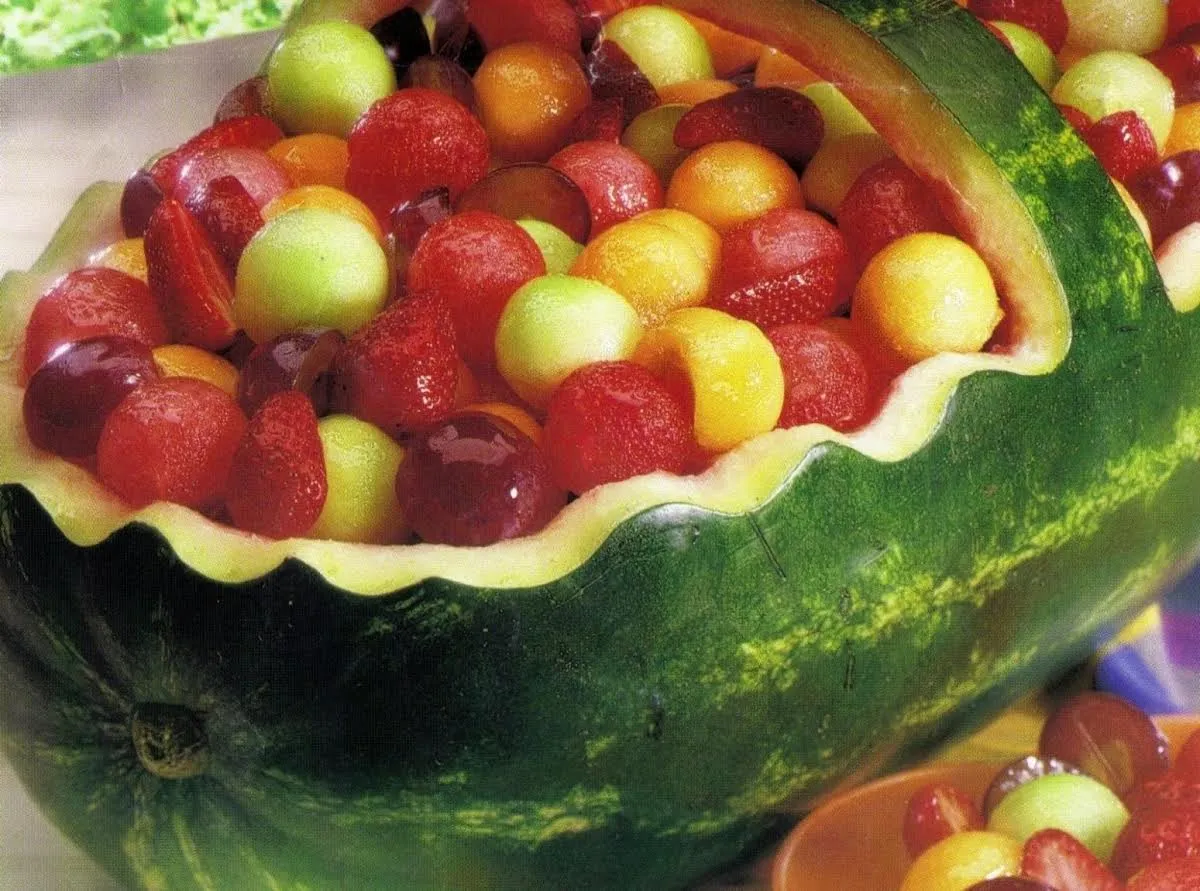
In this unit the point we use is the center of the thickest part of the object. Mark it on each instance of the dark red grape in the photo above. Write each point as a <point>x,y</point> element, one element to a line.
<point>410,221</point>
<point>475,479</point>
<point>445,76</point>
<point>1108,738</point>
<point>1181,63</point>
<point>613,75</point>
<point>1020,772</point>
<point>245,99</point>
<point>298,360</point>
<point>403,37</point>
<point>529,189</point>
<point>70,395</point>
<point>1169,193</point>
<point>138,200</point>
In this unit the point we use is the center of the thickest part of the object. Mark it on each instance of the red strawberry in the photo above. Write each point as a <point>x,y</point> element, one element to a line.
<point>1061,861</point>
<point>937,811</point>
<point>1182,874</point>
<point>603,119</point>
<point>826,381</point>
<point>1187,762</point>
<point>249,131</point>
<point>1174,788</point>
<point>400,371</point>
<point>1123,143</point>
<point>807,293</point>
<point>782,120</point>
<point>1155,835</point>
<point>1047,17</point>
<point>277,483</point>
<point>228,214</point>
<point>188,279</point>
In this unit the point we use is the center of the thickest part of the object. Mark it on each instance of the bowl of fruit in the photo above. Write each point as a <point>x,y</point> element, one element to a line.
<point>531,444</point>
<point>1107,799</point>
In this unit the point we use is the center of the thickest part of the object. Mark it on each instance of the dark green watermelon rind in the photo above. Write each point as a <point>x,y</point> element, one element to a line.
<point>652,714</point>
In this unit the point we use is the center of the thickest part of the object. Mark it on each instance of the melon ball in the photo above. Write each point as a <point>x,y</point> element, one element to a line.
<point>360,466</point>
<point>1114,80</point>
<point>322,77</point>
<point>1137,26</point>
<point>662,43</point>
<point>559,249</point>
<point>555,324</point>
<point>309,268</point>
<point>1074,803</point>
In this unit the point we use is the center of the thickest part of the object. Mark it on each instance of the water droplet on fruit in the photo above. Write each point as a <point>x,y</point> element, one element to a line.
<point>170,740</point>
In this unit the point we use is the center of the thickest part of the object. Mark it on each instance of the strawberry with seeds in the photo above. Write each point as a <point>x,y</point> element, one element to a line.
<point>1181,874</point>
<point>1061,861</point>
<point>1156,835</point>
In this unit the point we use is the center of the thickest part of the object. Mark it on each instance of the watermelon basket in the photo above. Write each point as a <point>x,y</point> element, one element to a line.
<point>655,684</point>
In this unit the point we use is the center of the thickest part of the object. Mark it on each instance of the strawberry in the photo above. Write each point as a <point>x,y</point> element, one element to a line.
<point>1123,143</point>
<point>1174,788</point>
<point>1181,874</point>
<point>400,371</point>
<point>1187,761</point>
<point>805,294</point>
<point>277,483</point>
<point>228,214</point>
<point>1157,834</point>
<point>937,811</point>
<point>603,119</point>
<point>188,279</point>
<point>1061,861</point>
<point>785,121</point>
<point>1046,17</point>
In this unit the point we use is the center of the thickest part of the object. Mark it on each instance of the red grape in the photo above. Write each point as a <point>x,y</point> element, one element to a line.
<point>403,37</point>
<point>298,360</point>
<point>1108,738</point>
<point>935,812</point>
<point>70,395</point>
<point>475,479</point>
<point>530,189</point>
<point>1169,193</point>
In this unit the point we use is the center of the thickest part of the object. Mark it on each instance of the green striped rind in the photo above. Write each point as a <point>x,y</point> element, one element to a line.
<point>651,714</point>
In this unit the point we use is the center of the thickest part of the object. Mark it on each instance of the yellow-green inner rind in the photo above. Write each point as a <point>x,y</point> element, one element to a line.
<point>923,132</point>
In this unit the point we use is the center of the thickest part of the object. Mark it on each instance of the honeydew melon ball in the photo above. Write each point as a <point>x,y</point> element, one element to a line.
<point>1138,26</point>
<point>309,268</point>
<point>1074,803</point>
<point>1034,53</point>
<point>559,249</point>
<point>322,77</point>
<point>555,324</point>
<point>1115,80</point>
<point>662,43</point>
<point>360,466</point>
<point>839,114</point>
<point>652,135</point>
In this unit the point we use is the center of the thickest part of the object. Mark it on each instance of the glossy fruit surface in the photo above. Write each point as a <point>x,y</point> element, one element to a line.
<point>632,696</point>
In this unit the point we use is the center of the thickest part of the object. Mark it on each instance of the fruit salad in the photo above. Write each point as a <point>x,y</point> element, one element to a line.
<point>1100,806</point>
<point>436,278</point>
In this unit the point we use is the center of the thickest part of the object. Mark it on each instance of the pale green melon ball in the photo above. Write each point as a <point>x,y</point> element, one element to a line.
<point>1074,803</point>
<point>840,116</point>
<point>555,324</point>
<point>559,249</point>
<point>309,268</point>
<point>652,135</point>
<point>322,77</point>
<point>1034,53</point>
<point>360,465</point>
<point>1137,26</point>
<point>663,44</point>
<point>1115,80</point>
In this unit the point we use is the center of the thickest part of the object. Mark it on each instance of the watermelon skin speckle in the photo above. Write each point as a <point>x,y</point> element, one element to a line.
<point>703,667</point>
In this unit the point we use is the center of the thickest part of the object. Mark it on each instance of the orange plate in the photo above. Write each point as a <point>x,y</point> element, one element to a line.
<point>853,842</point>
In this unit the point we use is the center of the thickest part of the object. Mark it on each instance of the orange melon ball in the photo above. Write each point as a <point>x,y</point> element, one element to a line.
<point>313,159</point>
<point>184,360</point>
<point>528,95</point>
<point>127,255</point>
<point>693,92</point>
<point>726,183</point>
